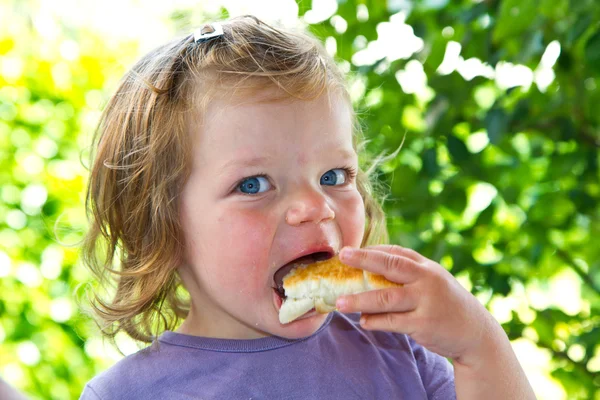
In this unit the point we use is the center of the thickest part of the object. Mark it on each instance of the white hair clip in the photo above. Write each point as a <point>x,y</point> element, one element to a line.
<point>208,32</point>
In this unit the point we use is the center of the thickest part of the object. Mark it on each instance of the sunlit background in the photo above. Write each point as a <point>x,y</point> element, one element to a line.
<point>498,181</point>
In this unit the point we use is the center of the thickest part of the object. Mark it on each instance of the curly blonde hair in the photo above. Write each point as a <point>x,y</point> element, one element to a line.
<point>142,154</point>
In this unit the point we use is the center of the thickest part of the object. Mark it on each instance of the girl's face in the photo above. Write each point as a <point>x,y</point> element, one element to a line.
<point>270,182</point>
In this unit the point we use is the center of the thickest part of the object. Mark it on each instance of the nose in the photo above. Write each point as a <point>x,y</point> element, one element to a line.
<point>308,206</point>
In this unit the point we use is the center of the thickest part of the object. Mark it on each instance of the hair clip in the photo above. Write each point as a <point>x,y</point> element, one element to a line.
<point>208,32</point>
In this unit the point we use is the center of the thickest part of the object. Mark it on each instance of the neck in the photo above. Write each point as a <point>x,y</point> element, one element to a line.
<point>221,326</point>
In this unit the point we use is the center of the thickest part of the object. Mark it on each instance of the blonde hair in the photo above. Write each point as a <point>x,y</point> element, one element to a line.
<point>141,163</point>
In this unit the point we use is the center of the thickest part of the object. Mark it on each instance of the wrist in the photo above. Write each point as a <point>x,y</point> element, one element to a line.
<point>491,369</point>
<point>490,345</point>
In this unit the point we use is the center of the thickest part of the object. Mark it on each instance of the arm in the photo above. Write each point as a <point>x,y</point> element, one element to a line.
<point>440,315</point>
<point>492,371</point>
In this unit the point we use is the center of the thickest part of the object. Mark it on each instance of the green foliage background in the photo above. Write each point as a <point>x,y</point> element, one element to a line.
<point>499,185</point>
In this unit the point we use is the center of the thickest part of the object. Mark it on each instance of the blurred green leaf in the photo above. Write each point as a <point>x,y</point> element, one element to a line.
<point>537,143</point>
<point>592,50</point>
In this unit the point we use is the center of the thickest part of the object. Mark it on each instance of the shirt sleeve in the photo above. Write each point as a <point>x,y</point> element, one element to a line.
<point>89,394</point>
<point>7,392</point>
<point>437,374</point>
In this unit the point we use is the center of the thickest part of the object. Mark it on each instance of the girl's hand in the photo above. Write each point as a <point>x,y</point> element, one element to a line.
<point>431,306</point>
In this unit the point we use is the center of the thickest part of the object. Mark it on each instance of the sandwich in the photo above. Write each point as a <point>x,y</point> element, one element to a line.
<point>319,284</point>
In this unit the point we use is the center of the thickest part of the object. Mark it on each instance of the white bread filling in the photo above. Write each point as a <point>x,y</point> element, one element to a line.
<point>318,293</point>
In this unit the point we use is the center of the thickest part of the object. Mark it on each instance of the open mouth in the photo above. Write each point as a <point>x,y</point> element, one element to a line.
<point>304,260</point>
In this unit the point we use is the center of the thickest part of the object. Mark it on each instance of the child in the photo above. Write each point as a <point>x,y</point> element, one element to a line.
<point>222,157</point>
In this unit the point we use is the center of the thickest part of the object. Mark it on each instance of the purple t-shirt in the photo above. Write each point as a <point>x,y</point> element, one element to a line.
<point>339,361</point>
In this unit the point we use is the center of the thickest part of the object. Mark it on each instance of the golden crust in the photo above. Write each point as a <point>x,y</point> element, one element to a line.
<point>335,271</point>
<point>332,269</point>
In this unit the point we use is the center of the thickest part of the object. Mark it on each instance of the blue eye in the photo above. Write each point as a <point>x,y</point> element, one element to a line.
<point>255,184</point>
<point>334,177</point>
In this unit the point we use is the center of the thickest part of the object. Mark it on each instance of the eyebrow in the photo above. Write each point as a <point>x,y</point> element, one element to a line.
<point>261,160</point>
<point>348,153</point>
<point>248,162</point>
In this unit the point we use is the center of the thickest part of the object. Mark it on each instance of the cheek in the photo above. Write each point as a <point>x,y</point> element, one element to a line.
<point>231,243</point>
<point>244,234</point>
<point>351,218</point>
<point>225,237</point>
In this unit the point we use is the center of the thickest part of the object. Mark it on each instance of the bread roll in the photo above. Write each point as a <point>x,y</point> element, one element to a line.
<point>318,286</point>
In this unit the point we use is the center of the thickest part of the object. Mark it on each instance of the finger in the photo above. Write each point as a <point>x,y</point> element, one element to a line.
<point>395,268</point>
<point>389,322</point>
<point>399,251</point>
<point>399,299</point>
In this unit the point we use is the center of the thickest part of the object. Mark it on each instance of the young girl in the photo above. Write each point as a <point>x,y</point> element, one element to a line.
<point>222,157</point>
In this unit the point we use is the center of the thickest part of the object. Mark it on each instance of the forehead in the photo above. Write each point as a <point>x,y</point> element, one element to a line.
<point>252,125</point>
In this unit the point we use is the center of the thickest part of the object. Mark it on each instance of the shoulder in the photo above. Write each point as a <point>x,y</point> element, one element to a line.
<point>122,380</point>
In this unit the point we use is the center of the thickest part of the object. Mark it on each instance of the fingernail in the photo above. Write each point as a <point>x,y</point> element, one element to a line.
<point>363,321</point>
<point>346,252</point>
<point>341,304</point>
